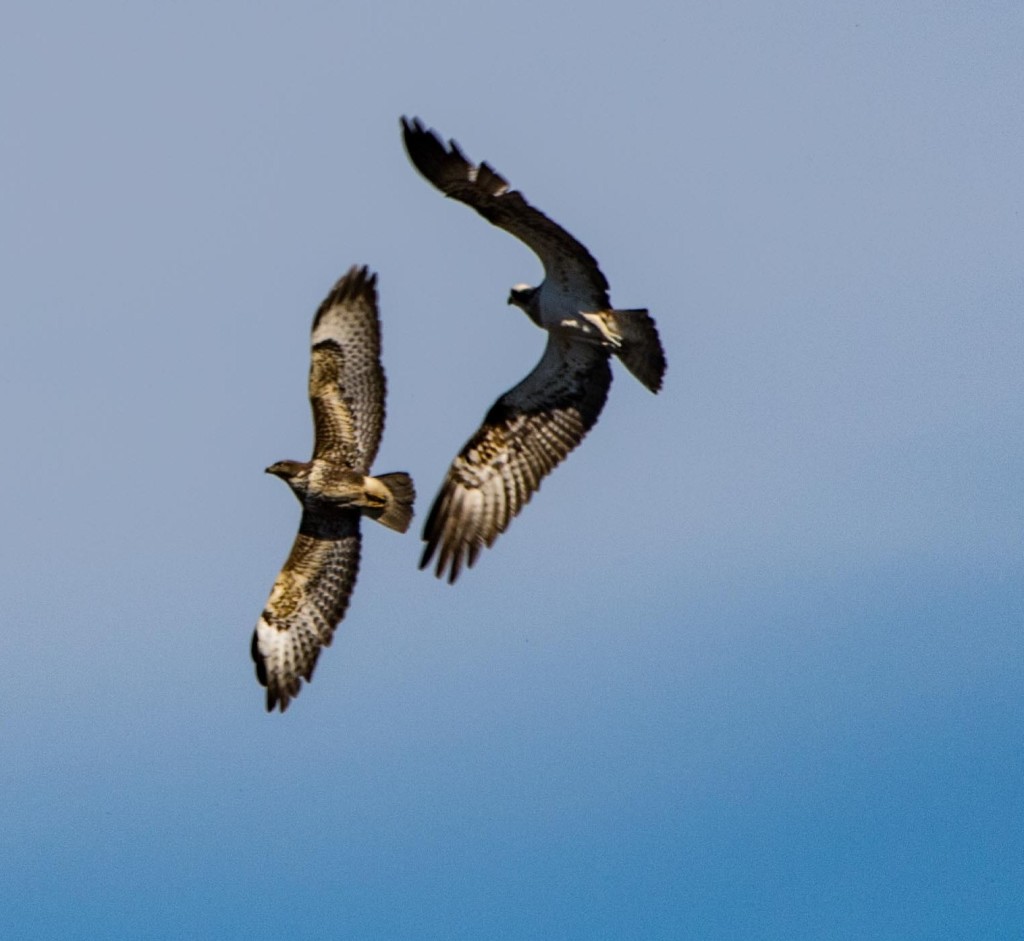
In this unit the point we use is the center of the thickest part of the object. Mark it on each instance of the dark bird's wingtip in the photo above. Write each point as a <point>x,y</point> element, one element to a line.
<point>414,130</point>
<point>441,163</point>
<point>447,568</point>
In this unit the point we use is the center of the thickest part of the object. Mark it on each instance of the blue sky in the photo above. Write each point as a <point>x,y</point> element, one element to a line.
<point>749,665</point>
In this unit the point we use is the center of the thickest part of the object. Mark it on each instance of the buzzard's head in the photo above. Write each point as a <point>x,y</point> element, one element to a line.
<point>293,473</point>
<point>522,295</point>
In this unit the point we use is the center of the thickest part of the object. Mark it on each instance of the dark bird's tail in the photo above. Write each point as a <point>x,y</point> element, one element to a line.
<point>397,510</point>
<point>640,348</point>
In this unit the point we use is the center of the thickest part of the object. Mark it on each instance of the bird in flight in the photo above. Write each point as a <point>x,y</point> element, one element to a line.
<point>346,391</point>
<point>531,428</point>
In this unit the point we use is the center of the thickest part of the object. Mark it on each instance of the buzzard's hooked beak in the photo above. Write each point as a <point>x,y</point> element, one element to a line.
<point>288,471</point>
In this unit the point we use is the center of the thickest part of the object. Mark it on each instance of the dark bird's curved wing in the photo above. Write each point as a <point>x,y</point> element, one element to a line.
<point>566,261</point>
<point>346,380</point>
<point>524,436</point>
<point>306,603</point>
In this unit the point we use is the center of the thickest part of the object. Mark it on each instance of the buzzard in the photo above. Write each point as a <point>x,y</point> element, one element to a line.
<point>533,426</point>
<point>346,390</point>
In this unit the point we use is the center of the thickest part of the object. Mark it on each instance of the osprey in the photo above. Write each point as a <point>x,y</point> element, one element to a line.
<point>346,390</point>
<point>534,425</point>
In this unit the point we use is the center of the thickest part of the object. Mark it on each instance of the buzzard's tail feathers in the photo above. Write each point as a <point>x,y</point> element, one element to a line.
<point>397,512</point>
<point>641,351</point>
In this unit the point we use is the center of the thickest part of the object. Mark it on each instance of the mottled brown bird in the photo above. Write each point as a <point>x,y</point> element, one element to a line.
<point>346,390</point>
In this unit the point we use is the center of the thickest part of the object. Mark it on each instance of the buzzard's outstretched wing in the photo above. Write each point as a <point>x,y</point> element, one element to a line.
<point>524,436</point>
<point>566,261</point>
<point>346,380</point>
<point>306,603</point>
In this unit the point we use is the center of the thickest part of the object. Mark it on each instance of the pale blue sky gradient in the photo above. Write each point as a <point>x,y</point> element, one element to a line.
<point>748,666</point>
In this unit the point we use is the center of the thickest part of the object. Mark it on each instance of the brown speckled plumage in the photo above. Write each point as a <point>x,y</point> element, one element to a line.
<point>346,391</point>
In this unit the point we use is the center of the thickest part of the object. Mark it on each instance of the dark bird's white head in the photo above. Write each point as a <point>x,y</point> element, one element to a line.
<point>521,295</point>
<point>524,297</point>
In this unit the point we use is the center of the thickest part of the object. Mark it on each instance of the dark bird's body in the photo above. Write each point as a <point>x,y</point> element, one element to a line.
<point>534,425</point>
<point>346,391</point>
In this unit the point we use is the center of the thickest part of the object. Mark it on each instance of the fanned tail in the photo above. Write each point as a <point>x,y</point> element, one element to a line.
<point>397,512</point>
<point>640,350</point>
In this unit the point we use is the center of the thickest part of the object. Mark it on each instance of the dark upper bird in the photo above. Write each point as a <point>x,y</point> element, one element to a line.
<point>346,390</point>
<point>534,425</point>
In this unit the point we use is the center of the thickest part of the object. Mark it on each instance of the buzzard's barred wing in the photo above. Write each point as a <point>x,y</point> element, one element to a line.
<point>346,380</point>
<point>566,261</point>
<point>306,603</point>
<point>525,435</point>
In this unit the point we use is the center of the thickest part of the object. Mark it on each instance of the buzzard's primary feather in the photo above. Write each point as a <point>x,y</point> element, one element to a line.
<point>346,391</point>
<point>534,425</point>
<point>308,600</point>
<point>346,381</point>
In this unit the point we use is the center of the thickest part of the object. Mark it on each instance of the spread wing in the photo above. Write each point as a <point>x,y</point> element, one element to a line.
<point>346,381</point>
<point>306,603</point>
<point>566,261</point>
<point>524,436</point>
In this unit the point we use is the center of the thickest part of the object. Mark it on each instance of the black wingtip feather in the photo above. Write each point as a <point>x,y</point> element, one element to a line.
<point>425,149</point>
<point>448,168</point>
